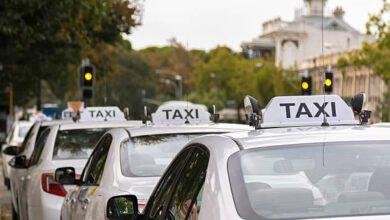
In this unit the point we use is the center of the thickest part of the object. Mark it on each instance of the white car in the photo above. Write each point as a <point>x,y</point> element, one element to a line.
<point>12,145</point>
<point>130,161</point>
<point>62,144</point>
<point>213,176</point>
<point>17,175</point>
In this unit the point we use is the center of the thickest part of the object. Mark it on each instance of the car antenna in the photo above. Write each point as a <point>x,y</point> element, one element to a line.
<point>324,122</point>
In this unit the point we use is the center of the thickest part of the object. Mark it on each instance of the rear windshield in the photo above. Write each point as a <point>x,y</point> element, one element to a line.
<point>319,180</point>
<point>76,144</point>
<point>149,156</point>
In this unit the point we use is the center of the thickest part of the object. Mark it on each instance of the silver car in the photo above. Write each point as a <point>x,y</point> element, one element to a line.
<point>131,160</point>
<point>280,171</point>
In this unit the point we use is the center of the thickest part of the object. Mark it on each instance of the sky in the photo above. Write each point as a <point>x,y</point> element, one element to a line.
<point>205,24</point>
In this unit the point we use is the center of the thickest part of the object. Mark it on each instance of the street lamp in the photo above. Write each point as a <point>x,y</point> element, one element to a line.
<point>178,86</point>
<point>177,82</point>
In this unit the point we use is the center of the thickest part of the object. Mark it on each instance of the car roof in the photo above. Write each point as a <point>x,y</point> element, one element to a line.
<point>66,125</point>
<point>186,129</point>
<point>305,135</point>
<point>382,124</point>
<point>23,123</point>
<point>53,122</point>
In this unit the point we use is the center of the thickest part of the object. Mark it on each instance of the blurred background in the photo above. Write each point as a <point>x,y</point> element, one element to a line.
<point>148,52</point>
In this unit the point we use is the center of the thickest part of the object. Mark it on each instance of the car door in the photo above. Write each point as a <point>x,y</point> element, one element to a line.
<point>177,192</point>
<point>158,200</point>
<point>17,173</point>
<point>90,178</point>
<point>25,180</point>
<point>185,202</point>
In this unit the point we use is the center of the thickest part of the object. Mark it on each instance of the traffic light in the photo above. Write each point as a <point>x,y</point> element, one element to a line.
<point>87,79</point>
<point>328,83</point>
<point>306,85</point>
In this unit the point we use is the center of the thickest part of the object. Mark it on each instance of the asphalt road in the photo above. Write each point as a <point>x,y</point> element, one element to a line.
<point>5,198</point>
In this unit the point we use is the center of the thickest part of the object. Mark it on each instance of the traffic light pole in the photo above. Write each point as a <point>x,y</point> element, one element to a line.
<point>11,99</point>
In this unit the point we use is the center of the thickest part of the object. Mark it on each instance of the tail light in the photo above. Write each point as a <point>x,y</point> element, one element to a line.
<point>26,162</point>
<point>51,186</point>
<point>141,206</point>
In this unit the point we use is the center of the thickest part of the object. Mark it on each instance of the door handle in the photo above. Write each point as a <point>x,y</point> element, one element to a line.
<point>22,178</point>
<point>28,177</point>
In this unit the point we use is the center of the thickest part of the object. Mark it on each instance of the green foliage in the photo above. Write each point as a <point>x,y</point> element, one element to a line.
<point>229,76</point>
<point>121,79</point>
<point>40,39</point>
<point>375,56</point>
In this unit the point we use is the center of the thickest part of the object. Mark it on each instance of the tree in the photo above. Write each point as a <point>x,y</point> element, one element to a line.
<point>376,55</point>
<point>229,76</point>
<point>40,39</point>
<point>122,78</point>
<point>173,60</point>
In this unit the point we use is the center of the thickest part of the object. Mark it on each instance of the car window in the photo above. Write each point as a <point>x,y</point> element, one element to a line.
<point>319,180</point>
<point>27,139</point>
<point>148,156</point>
<point>95,166</point>
<point>39,147</point>
<point>22,131</point>
<point>184,201</point>
<point>40,130</point>
<point>159,200</point>
<point>76,144</point>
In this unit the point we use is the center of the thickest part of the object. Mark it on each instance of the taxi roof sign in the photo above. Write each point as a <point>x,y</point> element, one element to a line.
<point>75,105</point>
<point>287,111</point>
<point>181,112</point>
<point>106,113</point>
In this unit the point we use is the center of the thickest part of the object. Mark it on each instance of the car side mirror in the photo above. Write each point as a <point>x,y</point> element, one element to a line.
<point>18,162</point>
<point>65,175</point>
<point>122,207</point>
<point>12,150</point>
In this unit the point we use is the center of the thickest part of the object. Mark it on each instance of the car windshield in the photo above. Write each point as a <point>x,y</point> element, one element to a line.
<point>76,144</point>
<point>319,180</point>
<point>149,156</point>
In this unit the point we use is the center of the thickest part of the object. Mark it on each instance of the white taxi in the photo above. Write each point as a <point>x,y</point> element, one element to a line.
<point>62,144</point>
<point>17,175</point>
<point>253,175</point>
<point>12,146</point>
<point>131,160</point>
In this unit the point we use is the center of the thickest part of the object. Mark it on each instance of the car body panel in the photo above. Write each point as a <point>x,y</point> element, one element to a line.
<point>13,139</point>
<point>42,205</point>
<point>114,183</point>
<point>217,198</point>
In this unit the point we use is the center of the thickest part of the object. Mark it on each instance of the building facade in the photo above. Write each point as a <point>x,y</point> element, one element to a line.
<point>292,42</point>
<point>347,82</point>
<point>312,43</point>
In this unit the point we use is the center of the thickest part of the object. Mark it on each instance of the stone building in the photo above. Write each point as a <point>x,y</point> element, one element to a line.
<point>347,82</point>
<point>298,44</point>
<point>292,42</point>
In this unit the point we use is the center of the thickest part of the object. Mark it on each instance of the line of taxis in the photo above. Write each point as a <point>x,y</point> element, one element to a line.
<point>302,157</point>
